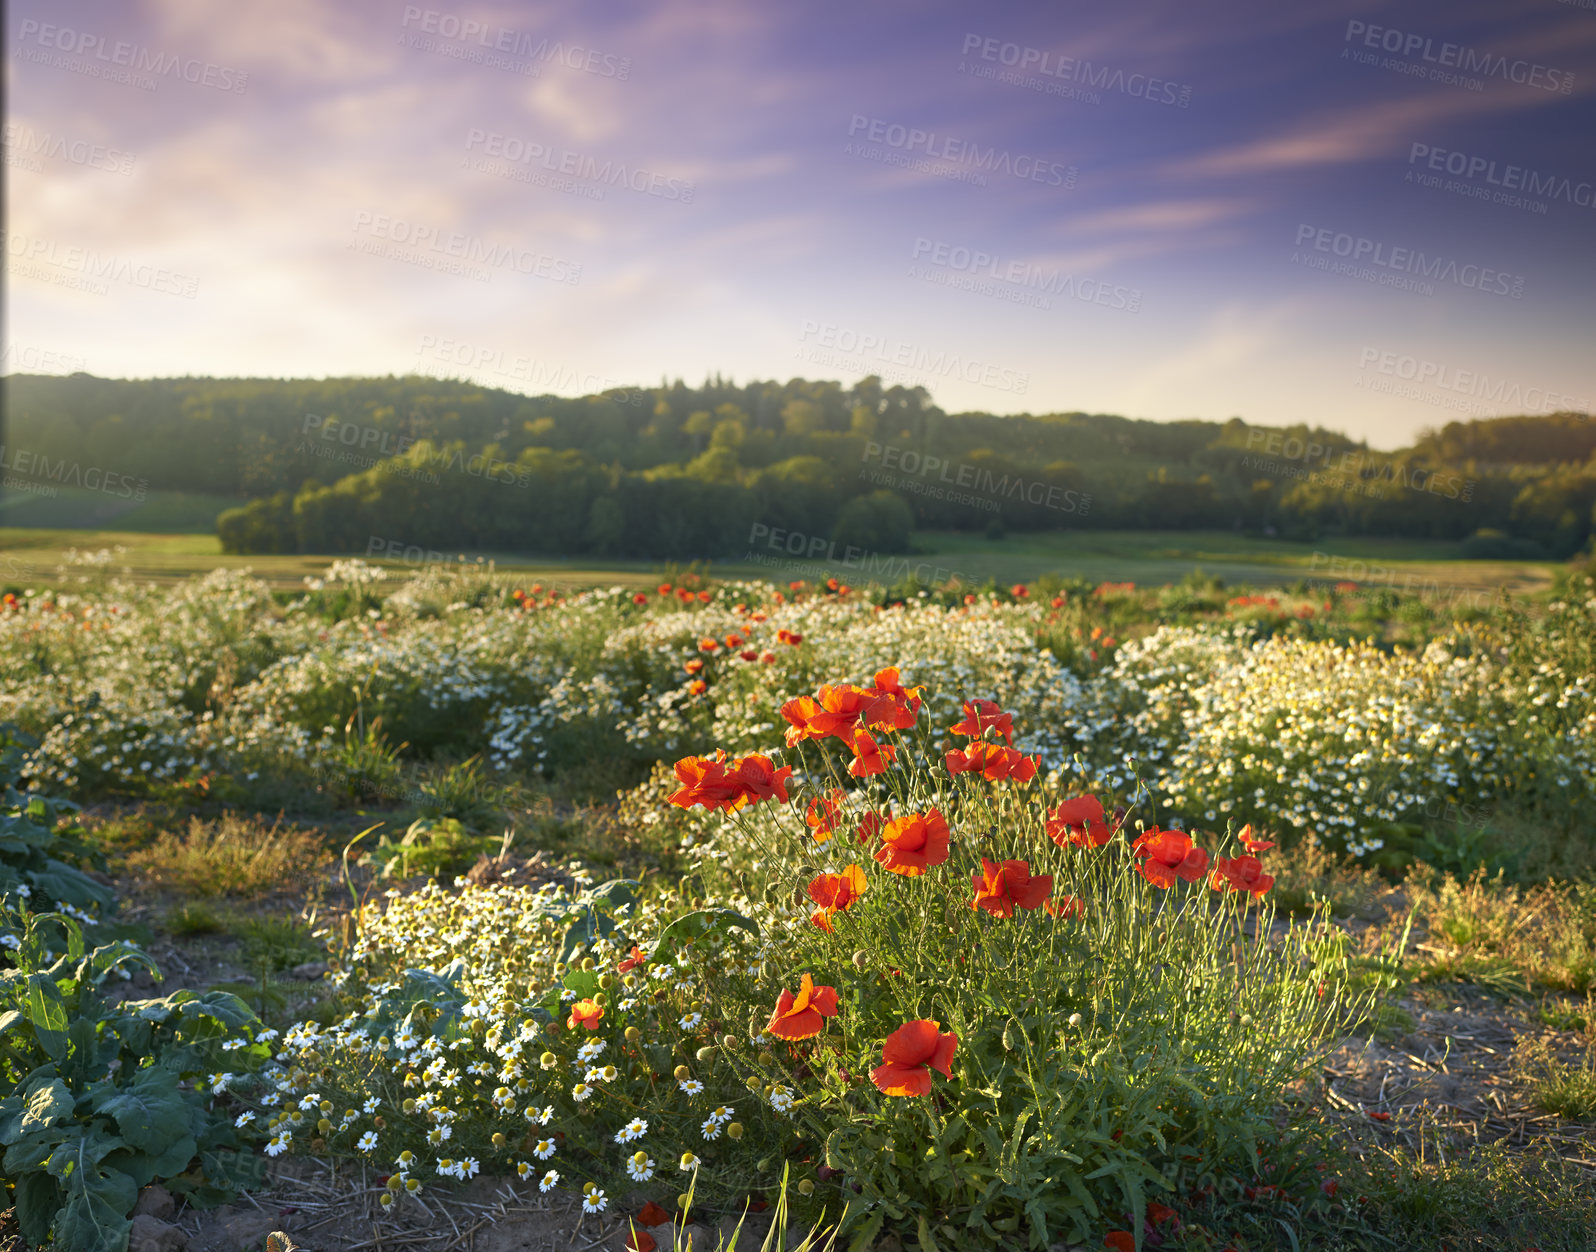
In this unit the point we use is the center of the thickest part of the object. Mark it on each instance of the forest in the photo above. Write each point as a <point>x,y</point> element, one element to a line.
<point>686,472</point>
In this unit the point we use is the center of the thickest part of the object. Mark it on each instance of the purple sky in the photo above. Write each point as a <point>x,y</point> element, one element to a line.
<point>1177,210</point>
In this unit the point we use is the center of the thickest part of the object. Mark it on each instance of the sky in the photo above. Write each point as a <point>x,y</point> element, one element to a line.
<point>1373,217</point>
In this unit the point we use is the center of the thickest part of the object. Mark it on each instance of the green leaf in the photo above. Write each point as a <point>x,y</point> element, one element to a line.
<point>923,1231</point>
<point>47,1102</point>
<point>38,1200</point>
<point>47,1011</point>
<point>867,1232</point>
<point>149,1111</point>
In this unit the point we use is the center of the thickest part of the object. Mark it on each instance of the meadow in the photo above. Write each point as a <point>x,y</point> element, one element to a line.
<point>1247,904</point>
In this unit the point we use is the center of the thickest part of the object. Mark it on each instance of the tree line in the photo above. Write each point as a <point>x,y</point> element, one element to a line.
<point>683,472</point>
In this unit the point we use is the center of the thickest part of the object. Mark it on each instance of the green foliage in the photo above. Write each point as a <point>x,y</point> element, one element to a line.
<point>440,848</point>
<point>105,1098</point>
<point>40,853</point>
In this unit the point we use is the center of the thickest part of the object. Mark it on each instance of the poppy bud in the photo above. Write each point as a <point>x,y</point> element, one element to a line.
<point>682,1073</point>
<point>730,1041</point>
<point>734,1130</point>
<point>1075,1019</point>
<point>706,1053</point>
<point>861,958</point>
<point>767,969</point>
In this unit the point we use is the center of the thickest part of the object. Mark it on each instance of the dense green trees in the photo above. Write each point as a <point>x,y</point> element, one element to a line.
<point>679,472</point>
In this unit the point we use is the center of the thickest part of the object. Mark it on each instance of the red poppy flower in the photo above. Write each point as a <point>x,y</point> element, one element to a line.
<point>767,657</point>
<point>1066,907</point>
<point>821,816</point>
<point>834,893</point>
<point>1240,873</point>
<point>653,1215</point>
<point>1381,1117</point>
<point>585,1013</point>
<point>749,654</point>
<point>1079,821</point>
<point>981,716</point>
<point>709,645</point>
<point>639,598</point>
<point>664,589</point>
<point>909,1055</point>
<point>693,666</point>
<point>992,761</point>
<point>704,597</point>
<point>684,595</point>
<point>697,687</point>
<point>704,781</point>
<point>869,757</point>
<point>1165,855</point>
<point>913,843</point>
<point>633,961</point>
<point>1000,888</point>
<point>1057,602</point>
<point>708,782</point>
<point>640,1241</point>
<point>1019,591</point>
<point>791,638</point>
<point>895,706</point>
<point>870,825</point>
<point>801,1016</point>
<point>734,641</point>
<point>1251,844</point>
<point>1120,1241</point>
<point>761,780</point>
<point>1158,1213</point>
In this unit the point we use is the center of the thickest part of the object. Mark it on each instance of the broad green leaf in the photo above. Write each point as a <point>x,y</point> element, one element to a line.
<point>149,1111</point>
<point>45,1104</point>
<point>47,1012</point>
<point>38,1200</point>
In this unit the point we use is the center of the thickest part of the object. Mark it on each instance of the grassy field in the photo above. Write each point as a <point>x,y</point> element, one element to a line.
<point>29,554</point>
<point>73,508</point>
